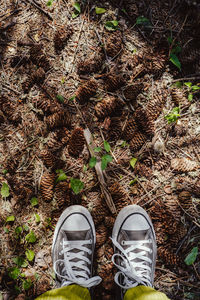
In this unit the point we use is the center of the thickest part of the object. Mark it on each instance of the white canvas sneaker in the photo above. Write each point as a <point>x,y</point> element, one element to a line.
<point>135,248</point>
<point>73,248</point>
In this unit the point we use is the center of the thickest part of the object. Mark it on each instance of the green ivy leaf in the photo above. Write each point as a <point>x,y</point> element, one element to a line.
<point>13,273</point>
<point>97,149</point>
<point>100,10</point>
<point>173,116</point>
<point>75,15</point>
<point>6,230</point>
<point>92,162</point>
<point>27,284</point>
<point>105,160</point>
<point>49,3</point>
<point>61,177</point>
<point>170,40</point>
<point>30,237</point>
<point>5,190</point>
<point>195,88</point>
<point>60,98</point>
<point>111,25</point>
<point>143,21</point>
<point>18,230</point>
<point>188,84</point>
<point>34,201</point>
<point>133,162</point>
<point>37,218</point>
<point>190,97</point>
<point>20,262</point>
<point>76,185</point>
<point>26,228</point>
<point>176,50</point>
<point>30,254</point>
<point>191,257</point>
<point>4,172</point>
<point>77,7</point>
<point>72,98</point>
<point>106,146</point>
<point>174,59</point>
<point>10,219</point>
<point>132,182</point>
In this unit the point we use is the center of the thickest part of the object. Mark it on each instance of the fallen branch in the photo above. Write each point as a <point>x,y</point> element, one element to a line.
<point>41,9</point>
<point>91,146</point>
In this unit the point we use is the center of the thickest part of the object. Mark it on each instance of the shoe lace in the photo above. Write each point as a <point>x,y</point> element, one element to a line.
<point>76,271</point>
<point>133,272</point>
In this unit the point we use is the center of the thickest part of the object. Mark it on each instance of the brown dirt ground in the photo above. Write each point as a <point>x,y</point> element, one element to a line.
<point>133,85</point>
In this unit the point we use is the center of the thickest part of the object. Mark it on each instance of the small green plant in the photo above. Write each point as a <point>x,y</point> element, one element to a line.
<point>105,159</point>
<point>37,218</point>
<point>142,21</point>
<point>100,10</point>
<point>173,116</point>
<point>49,3</point>
<point>175,49</point>
<point>61,175</point>
<point>77,10</point>
<point>30,237</point>
<point>133,162</point>
<point>76,185</point>
<point>10,219</point>
<point>34,201</point>
<point>192,89</point>
<point>60,98</point>
<point>111,25</point>
<point>30,254</point>
<point>191,257</point>
<point>5,190</point>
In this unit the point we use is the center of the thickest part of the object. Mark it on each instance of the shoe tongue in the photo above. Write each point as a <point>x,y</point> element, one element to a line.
<point>135,235</point>
<point>76,235</point>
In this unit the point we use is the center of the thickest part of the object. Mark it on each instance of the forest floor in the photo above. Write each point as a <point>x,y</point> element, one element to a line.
<point>129,73</point>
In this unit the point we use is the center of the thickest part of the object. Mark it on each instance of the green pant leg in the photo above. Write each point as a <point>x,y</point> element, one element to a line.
<point>144,293</point>
<point>70,292</point>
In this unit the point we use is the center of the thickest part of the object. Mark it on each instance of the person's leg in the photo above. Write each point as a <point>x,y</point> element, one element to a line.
<point>135,251</point>
<point>144,293</point>
<point>72,254</point>
<point>70,292</point>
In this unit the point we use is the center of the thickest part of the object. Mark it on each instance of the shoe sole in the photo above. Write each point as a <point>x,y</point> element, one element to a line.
<point>69,211</point>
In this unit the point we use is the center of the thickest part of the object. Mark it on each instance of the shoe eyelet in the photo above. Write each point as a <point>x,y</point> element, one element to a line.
<point>123,242</point>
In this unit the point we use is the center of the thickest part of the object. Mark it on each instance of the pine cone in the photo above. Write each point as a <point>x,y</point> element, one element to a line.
<point>130,129</point>
<point>109,222</point>
<point>137,141</point>
<point>86,91</point>
<point>38,76</point>
<point>114,43</point>
<point>173,207</point>
<point>54,142</point>
<point>155,106</point>
<point>76,142</point>
<point>185,200</point>
<point>145,123</point>
<point>96,206</point>
<point>46,186</point>
<point>58,119</point>
<point>184,165</point>
<point>11,111</point>
<point>101,235</point>
<point>161,236</point>
<point>62,194</point>
<point>143,170</point>
<point>179,235</point>
<point>161,164</point>
<point>105,269</point>
<point>168,255</point>
<point>132,91</point>
<point>119,195</point>
<point>90,65</point>
<point>106,106</point>
<point>156,64</point>
<point>47,157</point>
<point>115,129</point>
<point>38,58</point>
<point>47,105</point>
<point>61,37</point>
<point>105,252</point>
<point>179,97</point>
<point>114,81</point>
